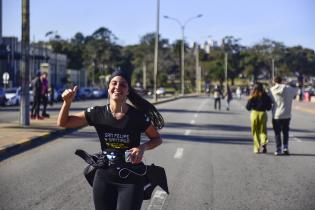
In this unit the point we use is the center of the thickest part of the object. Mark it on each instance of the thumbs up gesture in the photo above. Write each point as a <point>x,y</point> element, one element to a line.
<point>69,94</point>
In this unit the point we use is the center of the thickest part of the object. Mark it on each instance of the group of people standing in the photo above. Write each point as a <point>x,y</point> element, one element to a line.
<point>218,94</point>
<point>40,95</point>
<point>278,99</point>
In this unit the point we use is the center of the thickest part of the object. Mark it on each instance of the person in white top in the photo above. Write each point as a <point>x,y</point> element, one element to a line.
<point>282,96</point>
<point>217,94</point>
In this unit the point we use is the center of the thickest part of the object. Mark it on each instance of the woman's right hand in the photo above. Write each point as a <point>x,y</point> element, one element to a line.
<point>69,94</point>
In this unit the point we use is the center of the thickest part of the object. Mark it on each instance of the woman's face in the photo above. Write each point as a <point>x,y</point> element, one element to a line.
<point>118,88</point>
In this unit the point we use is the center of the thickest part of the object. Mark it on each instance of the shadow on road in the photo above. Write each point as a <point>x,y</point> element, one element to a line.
<point>82,135</point>
<point>301,154</point>
<point>224,127</point>
<point>209,139</point>
<point>221,127</point>
<point>305,138</point>
<point>48,109</point>
<point>194,111</point>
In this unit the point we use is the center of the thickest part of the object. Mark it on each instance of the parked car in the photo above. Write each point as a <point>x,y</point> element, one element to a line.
<point>2,97</point>
<point>141,91</point>
<point>86,91</point>
<point>96,92</point>
<point>13,96</point>
<point>310,90</point>
<point>104,93</point>
<point>160,91</point>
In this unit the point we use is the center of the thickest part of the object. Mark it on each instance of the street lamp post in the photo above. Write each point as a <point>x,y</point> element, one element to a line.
<point>156,47</point>
<point>24,103</point>
<point>182,27</point>
<point>273,69</point>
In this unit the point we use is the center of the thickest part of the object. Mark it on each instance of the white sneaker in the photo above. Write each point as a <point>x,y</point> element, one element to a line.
<point>277,153</point>
<point>286,151</point>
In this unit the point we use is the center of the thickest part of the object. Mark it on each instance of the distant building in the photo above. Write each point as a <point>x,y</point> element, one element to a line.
<point>209,44</point>
<point>10,61</point>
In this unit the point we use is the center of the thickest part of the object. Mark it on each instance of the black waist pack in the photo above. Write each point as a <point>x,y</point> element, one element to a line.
<point>155,175</point>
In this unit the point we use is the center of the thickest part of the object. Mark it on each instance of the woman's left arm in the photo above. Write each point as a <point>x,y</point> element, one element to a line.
<point>155,140</point>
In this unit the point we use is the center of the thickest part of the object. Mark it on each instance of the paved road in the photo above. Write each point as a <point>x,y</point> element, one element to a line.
<point>207,155</point>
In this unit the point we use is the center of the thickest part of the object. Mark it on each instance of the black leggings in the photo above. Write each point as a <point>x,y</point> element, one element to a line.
<point>115,196</point>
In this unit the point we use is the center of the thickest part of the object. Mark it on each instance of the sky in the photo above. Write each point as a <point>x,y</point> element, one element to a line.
<point>291,22</point>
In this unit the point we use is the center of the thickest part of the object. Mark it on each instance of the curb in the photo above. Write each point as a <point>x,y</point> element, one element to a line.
<point>25,144</point>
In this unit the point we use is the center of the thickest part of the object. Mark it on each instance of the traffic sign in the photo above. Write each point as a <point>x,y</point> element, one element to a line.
<point>6,77</point>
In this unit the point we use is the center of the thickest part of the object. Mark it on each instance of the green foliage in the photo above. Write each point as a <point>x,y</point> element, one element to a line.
<point>99,54</point>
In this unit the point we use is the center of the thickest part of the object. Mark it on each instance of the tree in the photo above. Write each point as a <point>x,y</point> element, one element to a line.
<point>231,46</point>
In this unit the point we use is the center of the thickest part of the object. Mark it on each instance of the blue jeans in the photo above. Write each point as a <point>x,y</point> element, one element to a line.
<point>281,125</point>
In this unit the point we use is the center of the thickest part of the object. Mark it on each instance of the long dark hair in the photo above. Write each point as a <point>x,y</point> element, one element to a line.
<point>139,102</point>
<point>258,91</point>
<point>146,107</point>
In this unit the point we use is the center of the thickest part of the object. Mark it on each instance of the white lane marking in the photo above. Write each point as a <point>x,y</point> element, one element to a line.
<point>187,132</point>
<point>157,201</point>
<point>179,153</point>
<point>196,115</point>
<point>192,122</point>
<point>296,138</point>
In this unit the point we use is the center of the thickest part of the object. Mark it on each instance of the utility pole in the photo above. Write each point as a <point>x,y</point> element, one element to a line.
<point>156,47</point>
<point>273,70</point>
<point>198,75</point>
<point>226,73</point>
<point>24,103</point>
<point>183,61</point>
<point>144,75</point>
<point>182,27</point>
<point>0,21</point>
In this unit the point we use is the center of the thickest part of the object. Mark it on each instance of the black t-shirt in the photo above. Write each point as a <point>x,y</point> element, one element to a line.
<point>261,104</point>
<point>119,134</point>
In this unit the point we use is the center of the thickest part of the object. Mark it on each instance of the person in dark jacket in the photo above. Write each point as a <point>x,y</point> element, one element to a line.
<point>119,126</point>
<point>258,103</point>
<point>44,94</point>
<point>228,97</point>
<point>37,88</point>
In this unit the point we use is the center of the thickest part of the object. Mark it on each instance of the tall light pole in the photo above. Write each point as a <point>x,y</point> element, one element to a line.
<point>182,26</point>
<point>273,69</point>
<point>24,103</point>
<point>0,21</point>
<point>198,69</point>
<point>156,47</point>
<point>226,71</point>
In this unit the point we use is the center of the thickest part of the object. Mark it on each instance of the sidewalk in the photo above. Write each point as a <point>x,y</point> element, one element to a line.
<point>14,138</point>
<point>308,107</point>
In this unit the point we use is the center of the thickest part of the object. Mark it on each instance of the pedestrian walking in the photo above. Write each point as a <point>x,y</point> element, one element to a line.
<point>217,94</point>
<point>228,97</point>
<point>37,88</point>
<point>282,96</point>
<point>51,92</point>
<point>238,92</point>
<point>119,127</point>
<point>258,103</point>
<point>44,94</point>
